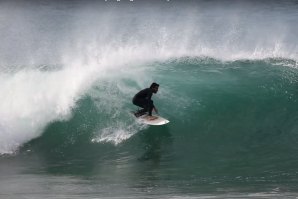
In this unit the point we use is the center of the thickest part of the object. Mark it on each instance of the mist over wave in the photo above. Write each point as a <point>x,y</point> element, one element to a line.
<point>53,53</point>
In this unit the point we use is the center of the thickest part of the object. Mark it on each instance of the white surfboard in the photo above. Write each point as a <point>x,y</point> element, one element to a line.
<point>153,120</point>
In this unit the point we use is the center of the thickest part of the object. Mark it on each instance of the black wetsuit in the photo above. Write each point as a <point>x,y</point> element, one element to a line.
<point>143,99</point>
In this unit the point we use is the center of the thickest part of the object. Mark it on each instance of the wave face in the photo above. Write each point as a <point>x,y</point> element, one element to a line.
<point>228,77</point>
<point>85,44</point>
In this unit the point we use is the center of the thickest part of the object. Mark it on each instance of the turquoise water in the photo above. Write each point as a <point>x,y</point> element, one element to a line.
<point>230,94</point>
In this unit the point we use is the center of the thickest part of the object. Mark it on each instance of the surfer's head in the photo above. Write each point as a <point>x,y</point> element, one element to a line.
<point>154,87</point>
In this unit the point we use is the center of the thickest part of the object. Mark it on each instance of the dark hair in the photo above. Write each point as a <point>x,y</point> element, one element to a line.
<point>154,85</point>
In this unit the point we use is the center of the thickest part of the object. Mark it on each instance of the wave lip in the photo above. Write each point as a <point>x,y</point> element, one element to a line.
<point>32,99</point>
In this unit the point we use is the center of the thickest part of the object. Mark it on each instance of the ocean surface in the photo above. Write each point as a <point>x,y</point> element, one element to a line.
<point>228,75</point>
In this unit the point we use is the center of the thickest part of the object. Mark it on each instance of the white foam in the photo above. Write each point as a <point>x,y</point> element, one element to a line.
<point>118,133</point>
<point>32,99</point>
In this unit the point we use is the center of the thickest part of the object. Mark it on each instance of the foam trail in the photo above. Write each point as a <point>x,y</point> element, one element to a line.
<point>116,134</point>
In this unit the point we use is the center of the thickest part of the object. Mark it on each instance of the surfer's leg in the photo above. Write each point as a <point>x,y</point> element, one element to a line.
<point>147,106</point>
<point>143,104</point>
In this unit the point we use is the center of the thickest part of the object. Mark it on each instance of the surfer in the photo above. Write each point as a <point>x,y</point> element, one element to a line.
<point>143,100</point>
